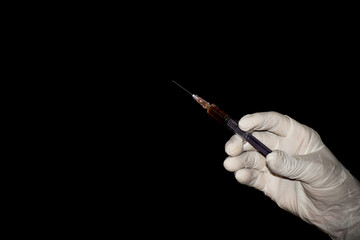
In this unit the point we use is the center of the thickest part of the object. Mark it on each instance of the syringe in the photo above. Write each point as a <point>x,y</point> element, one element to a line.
<point>222,117</point>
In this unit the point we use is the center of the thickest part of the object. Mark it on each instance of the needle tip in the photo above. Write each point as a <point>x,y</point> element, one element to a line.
<point>181,87</point>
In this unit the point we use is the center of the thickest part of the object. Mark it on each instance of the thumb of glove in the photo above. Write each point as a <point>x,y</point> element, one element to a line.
<point>284,165</point>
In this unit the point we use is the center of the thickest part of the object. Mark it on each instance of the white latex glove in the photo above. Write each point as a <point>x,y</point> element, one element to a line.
<point>301,175</point>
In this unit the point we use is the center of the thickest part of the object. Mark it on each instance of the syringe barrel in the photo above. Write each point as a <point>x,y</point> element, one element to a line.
<point>218,114</point>
<point>232,124</point>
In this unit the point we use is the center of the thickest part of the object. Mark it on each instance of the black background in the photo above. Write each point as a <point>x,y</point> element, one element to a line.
<point>123,150</point>
<point>149,160</point>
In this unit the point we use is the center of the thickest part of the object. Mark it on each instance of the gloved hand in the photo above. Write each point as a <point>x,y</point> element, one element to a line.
<point>301,174</point>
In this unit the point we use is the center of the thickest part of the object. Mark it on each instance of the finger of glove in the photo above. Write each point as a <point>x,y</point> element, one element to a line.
<point>269,139</point>
<point>250,159</point>
<point>284,165</point>
<point>266,121</point>
<point>234,146</point>
<point>251,177</point>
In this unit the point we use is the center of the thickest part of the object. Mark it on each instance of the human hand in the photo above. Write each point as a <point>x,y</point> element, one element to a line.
<point>301,175</point>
